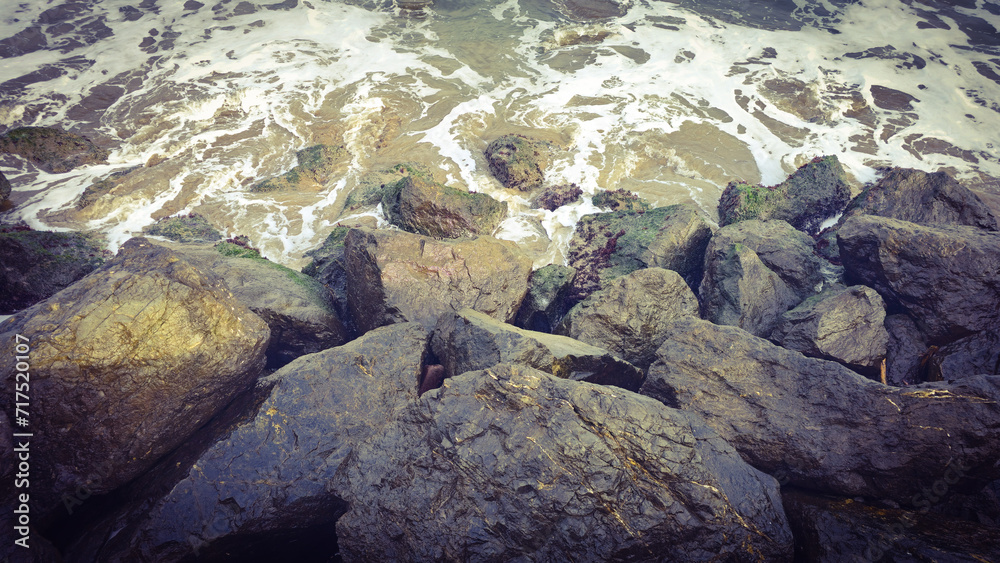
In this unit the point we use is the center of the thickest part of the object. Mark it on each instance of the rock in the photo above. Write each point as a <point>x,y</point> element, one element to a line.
<point>822,426</point>
<point>190,228</point>
<point>126,364</point>
<point>944,277</point>
<point>554,197</point>
<point>35,265</point>
<point>547,299</point>
<point>904,351</point>
<point>606,246</point>
<point>976,354</point>
<point>296,307</point>
<point>814,193</point>
<point>4,188</point>
<point>329,267</point>
<point>517,161</point>
<point>628,316</point>
<point>511,463</point>
<point>620,200</point>
<point>396,277</point>
<point>583,10</point>
<point>418,205</point>
<point>53,150</point>
<point>316,165</point>
<point>832,530</point>
<point>469,341</point>
<point>104,186</point>
<point>919,197</point>
<point>842,324</point>
<point>273,473</point>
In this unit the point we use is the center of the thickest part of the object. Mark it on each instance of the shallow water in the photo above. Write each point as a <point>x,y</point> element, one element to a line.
<point>671,100</point>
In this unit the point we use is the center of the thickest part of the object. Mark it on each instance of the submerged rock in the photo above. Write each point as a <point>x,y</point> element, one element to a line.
<point>511,463</point>
<point>395,277</point>
<point>554,197</point>
<point>517,161</point>
<point>190,228</point>
<point>620,200</point>
<point>547,300</point>
<point>52,149</point>
<point>629,315</point>
<point>468,341</point>
<point>823,427</point>
<point>418,205</point>
<point>316,165</point>
<point>814,193</point>
<point>126,364</point>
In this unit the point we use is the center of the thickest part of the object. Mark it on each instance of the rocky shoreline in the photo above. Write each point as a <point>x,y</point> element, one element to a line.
<point>760,390</point>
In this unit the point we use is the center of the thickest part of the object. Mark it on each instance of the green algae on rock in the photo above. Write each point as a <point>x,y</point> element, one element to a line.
<point>517,161</point>
<point>52,149</point>
<point>184,228</point>
<point>316,165</point>
<point>416,204</point>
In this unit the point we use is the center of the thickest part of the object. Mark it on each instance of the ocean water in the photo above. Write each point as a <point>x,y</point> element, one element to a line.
<point>671,99</point>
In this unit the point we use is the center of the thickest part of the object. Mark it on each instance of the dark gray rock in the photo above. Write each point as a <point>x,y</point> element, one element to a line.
<point>976,354</point>
<point>946,278</point>
<point>547,300</point>
<point>842,324</point>
<point>52,149</point>
<point>468,341</point>
<point>628,317</point>
<point>329,267</point>
<point>418,205</point>
<point>513,464</point>
<point>822,426</point>
<point>906,347</point>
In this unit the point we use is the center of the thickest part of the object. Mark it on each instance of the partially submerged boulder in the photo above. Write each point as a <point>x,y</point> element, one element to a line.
<point>822,426</point>
<point>517,161</point>
<point>419,205</point>
<point>629,315</point>
<point>4,188</point>
<point>468,341</point>
<point>515,464</point>
<point>126,364</point>
<point>184,228</point>
<point>316,165</point>
<point>620,200</point>
<point>547,299</point>
<point>815,192</point>
<point>52,149</point>
<point>396,276</point>
<point>554,197</point>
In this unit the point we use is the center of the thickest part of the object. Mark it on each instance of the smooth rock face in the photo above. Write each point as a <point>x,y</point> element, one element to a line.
<point>919,197</point>
<point>126,364</point>
<point>547,300</point>
<point>51,149</point>
<point>606,246</point>
<point>396,277</point>
<point>468,341</point>
<point>844,325</point>
<point>420,206</point>
<point>511,463</point>
<point>274,472</point>
<point>629,315</point>
<point>946,278</point>
<point>822,426</point>
<point>517,161</point>
<point>34,265</point>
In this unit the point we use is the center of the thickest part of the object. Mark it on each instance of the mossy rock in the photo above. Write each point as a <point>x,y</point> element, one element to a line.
<point>184,228</point>
<point>4,188</point>
<point>620,200</point>
<point>52,149</point>
<point>372,188</point>
<point>419,205</point>
<point>554,197</point>
<point>517,161</point>
<point>102,187</point>
<point>315,166</point>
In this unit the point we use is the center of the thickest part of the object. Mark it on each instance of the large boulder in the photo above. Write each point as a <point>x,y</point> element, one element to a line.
<point>517,161</point>
<point>554,197</point>
<point>905,352</point>
<point>316,165</point>
<point>35,265</point>
<point>296,307</point>
<point>814,193</point>
<point>4,188</point>
<point>978,353</point>
<point>329,267</point>
<point>842,324</point>
<point>822,426</point>
<point>547,300</point>
<point>628,316</point>
<point>271,476</point>
<point>418,205</point>
<point>920,197</point>
<point>511,463</point>
<point>52,149</point>
<point>126,364</point>
<point>397,276</point>
<point>945,277</point>
<point>606,246</point>
<point>468,341</point>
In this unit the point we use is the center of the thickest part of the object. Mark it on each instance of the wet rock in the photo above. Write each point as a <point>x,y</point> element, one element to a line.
<point>35,265</point>
<point>582,10</point>
<point>52,149</point>
<point>606,246</point>
<point>843,324</point>
<point>517,161</point>
<point>273,473</point>
<point>468,341</point>
<point>4,188</point>
<point>620,200</point>
<point>126,364</point>
<point>976,354</point>
<point>316,165</point>
<point>944,277</point>
<point>184,228</point>
<point>554,197</point>
<point>823,427</point>
<point>832,530</point>
<point>512,463</point>
<point>395,276</point>
<point>892,99</point>
<point>814,193</point>
<point>547,299</point>
<point>296,307</point>
<point>919,197</point>
<point>104,186</point>
<point>329,267</point>
<point>905,350</point>
<point>419,205</point>
<point>628,316</point>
